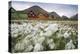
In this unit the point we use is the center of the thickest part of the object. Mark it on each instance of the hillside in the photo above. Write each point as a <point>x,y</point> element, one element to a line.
<point>74,17</point>
<point>38,13</point>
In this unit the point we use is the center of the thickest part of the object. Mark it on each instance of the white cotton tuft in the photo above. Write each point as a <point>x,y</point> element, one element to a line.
<point>38,47</point>
<point>41,40</point>
<point>69,45</point>
<point>28,48</point>
<point>66,35</point>
<point>52,27</point>
<point>49,41</point>
<point>52,45</point>
<point>48,34</point>
<point>19,46</point>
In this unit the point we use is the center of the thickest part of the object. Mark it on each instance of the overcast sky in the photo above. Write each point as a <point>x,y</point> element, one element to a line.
<point>61,9</point>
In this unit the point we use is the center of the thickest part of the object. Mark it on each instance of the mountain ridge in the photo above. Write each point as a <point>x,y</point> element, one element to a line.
<point>38,12</point>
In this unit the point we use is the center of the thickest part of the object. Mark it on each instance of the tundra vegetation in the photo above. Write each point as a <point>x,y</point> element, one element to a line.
<point>40,35</point>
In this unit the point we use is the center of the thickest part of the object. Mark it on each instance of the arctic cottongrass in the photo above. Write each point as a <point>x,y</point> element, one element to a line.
<point>19,46</point>
<point>28,48</point>
<point>52,27</point>
<point>40,36</point>
<point>66,34</point>
<point>38,47</point>
<point>52,45</point>
<point>70,45</point>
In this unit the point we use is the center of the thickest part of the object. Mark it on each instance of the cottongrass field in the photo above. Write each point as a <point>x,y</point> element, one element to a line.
<point>39,35</point>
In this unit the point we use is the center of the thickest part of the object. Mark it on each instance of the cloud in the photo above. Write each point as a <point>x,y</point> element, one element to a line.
<point>61,9</point>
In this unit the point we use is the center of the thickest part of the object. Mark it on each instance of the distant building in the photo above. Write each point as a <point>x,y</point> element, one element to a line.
<point>32,15</point>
